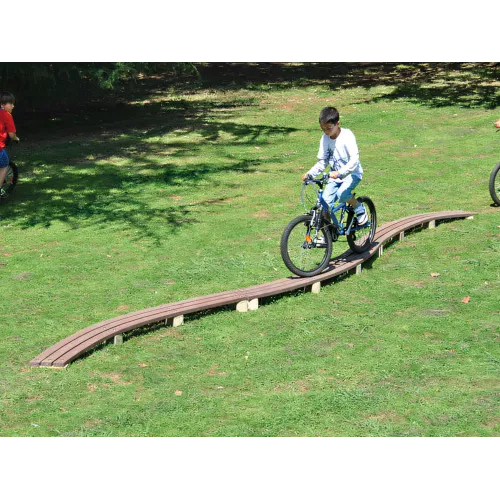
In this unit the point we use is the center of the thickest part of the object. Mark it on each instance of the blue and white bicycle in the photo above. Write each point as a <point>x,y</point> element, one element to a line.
<point>307,242</point>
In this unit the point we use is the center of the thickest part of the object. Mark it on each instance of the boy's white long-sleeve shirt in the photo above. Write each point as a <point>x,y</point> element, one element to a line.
<point>341,154</point>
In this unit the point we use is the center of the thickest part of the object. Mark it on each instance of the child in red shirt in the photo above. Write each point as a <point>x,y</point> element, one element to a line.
<point>7,129</point>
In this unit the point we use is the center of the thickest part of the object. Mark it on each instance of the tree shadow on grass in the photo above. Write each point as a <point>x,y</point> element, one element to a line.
<point>430,84</point>
<point>441,85</point>
<point>119,175</point>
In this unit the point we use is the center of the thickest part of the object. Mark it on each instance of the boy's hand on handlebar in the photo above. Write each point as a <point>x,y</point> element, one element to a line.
<point>334,174</point>
<point>306,177</point>
<point>497,123</point>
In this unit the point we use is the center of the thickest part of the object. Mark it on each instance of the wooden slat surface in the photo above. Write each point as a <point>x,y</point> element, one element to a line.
<point>72,347</point>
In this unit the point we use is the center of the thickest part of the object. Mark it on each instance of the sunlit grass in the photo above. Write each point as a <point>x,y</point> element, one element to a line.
<point>191,199</point>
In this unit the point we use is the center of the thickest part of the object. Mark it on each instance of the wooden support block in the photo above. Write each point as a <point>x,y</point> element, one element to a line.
<point>118,339</point>
<point>175,321</point>
<point>358,269</point>
<point>316,287</point>
<point>401,236</point>
<point>178,320</point>
<point>431,224</point>
<point>471,217</point>
<point>242,306</point>
<point>253,304</point>
<point>380,250</point>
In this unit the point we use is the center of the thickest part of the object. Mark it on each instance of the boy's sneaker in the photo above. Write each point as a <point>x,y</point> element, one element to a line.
<point>361,214</point>
<point>3,193</point>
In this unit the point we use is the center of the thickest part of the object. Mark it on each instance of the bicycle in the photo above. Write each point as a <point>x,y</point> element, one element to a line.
<point>10,179</point>
<point>307,241</point>
<point>495,184</point>
<point>495,178</point>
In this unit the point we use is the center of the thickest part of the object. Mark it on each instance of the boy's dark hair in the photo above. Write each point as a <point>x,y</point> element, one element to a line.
<point>329,115</point>
<point>7,98</point>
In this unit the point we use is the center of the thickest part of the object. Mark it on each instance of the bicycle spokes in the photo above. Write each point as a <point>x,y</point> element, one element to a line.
<point>304,249</point>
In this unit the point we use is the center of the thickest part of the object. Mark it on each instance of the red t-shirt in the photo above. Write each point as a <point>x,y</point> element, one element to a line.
<point>6,126</point>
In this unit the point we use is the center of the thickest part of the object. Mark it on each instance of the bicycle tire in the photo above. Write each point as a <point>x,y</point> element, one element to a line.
<point>360,244</point>
<point>10,179</point>
<point>495,189</point>
<point>295,249</point>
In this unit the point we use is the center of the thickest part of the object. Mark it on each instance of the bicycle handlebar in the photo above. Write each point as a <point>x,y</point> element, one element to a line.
<point>319,181</point>
<point>9,141</point>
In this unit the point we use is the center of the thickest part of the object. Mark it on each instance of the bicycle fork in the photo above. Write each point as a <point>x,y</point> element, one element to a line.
<point>314,225</point>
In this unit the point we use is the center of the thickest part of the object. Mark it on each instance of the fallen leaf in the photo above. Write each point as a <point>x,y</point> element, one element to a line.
<point>435,275</point>
<point>178,393</point>
<point>142,365</point>
<point>466,300</point>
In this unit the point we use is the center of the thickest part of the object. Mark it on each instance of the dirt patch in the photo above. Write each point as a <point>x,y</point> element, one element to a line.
<point>389,417</point>
<point>212,371</point>
<point>114,377</point>
<point>437,312</point>
<point>89,424</point>
<point>23,276</point>
<point>261,214</point>
<point>36,397</point>
<point>302,385</point>
<point>172,333</point>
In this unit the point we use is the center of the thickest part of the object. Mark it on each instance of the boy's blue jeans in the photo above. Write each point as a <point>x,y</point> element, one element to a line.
<point>4,159</point>
<point>340,190</point>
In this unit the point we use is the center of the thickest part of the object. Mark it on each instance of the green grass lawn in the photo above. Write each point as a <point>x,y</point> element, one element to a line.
<point>185,192</point>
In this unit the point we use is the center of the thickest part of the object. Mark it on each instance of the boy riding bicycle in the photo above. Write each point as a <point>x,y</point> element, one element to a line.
<point>7,130</point>
<point>338,149</point>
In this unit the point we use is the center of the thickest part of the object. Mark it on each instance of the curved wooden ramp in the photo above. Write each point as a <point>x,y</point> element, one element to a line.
<point>70,348</point>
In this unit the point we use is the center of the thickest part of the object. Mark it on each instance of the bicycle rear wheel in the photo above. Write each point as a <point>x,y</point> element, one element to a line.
<point>361,237</point>
<point>10,179</point>
<point>304,252</point>
<point>495,184</point>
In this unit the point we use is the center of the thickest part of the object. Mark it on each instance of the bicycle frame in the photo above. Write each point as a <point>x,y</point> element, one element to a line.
<point>337,223</point>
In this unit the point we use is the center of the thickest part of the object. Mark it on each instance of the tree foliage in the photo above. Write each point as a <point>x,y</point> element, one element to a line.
<point>32,83</point>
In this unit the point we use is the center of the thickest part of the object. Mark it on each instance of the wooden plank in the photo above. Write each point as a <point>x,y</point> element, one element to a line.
<point>91,339</point>
<point>125,323</point>
<point>64,351</point>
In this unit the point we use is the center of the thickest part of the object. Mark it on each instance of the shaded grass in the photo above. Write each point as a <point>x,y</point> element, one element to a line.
<point>192,200</point>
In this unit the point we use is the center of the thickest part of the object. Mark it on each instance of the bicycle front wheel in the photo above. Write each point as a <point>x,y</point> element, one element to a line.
<point>495,185</point>
<point>10,179</point>
<point>361,237</point>
<point>305,252</point>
